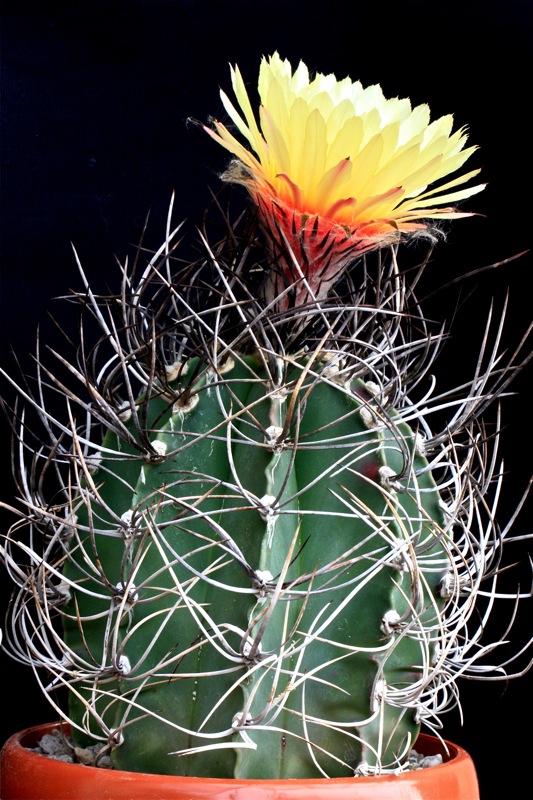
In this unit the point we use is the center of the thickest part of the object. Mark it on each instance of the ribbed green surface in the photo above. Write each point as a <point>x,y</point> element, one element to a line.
<point>323,644</point>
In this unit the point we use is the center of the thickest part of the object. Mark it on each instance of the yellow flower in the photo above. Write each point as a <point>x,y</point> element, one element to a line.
<point>337,168</point>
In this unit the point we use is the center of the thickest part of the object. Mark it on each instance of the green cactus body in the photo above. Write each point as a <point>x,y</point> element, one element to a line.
<point>304,531</point>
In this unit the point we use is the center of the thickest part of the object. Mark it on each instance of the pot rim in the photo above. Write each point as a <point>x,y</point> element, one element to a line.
<point>427,744</point>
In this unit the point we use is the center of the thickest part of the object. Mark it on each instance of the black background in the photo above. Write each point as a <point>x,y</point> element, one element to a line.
<point>94,106</point>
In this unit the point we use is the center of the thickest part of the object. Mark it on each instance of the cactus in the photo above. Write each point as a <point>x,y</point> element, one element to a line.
<point>276,504</point>
<point>263,559</point>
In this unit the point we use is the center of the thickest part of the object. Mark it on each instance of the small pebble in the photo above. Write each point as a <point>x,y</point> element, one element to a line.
<point>419,761</point>
<point>54,745</point>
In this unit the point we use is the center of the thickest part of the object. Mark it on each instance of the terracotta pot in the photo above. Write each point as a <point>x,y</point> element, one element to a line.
<point>28,776</point>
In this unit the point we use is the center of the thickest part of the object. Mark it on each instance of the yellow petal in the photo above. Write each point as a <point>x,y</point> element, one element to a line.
<point>313,154</point>
<point>278,153</point>
<point>333,180</point>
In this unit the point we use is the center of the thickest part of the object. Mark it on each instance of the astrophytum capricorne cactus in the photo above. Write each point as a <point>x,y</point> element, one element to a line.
<point>263,559</point>
<point>276,545</point>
